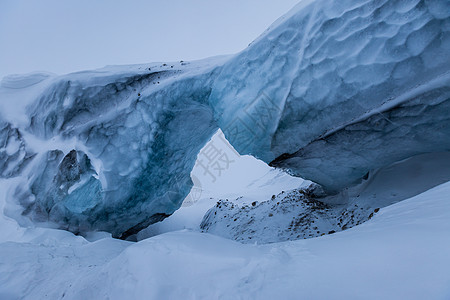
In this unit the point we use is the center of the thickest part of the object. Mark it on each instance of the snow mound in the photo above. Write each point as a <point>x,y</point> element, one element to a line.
<point>23,81</point>
<point>307,212</point>
<point>288,216</point>
<point>402,252</point>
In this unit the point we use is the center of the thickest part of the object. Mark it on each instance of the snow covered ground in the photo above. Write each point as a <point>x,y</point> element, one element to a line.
<point>305,213</point>
<point>402,252</point>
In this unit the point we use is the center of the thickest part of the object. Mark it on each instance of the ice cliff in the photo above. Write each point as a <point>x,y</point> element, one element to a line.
<point>110,149</point>
<point>331,92</point>
<point>339,88</point>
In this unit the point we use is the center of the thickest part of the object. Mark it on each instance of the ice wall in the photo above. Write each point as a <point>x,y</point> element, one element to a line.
<point>113,148</point>
<point>315,94</point>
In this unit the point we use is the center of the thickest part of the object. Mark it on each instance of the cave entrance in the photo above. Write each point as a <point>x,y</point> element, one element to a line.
<point>220,172</point>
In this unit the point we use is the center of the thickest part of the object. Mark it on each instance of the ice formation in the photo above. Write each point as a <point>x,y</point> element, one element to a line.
<point>331,92</point>
<point>112,149</point>
<point>336,89</point>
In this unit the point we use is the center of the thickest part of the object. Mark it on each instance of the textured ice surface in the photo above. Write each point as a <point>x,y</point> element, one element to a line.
<point>115,146</point>
<point>419,125</point>
<point>13,154</point>
<point>331,92</point>
<point>338,88</point>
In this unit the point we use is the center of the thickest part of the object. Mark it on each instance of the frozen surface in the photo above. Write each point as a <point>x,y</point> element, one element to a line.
<point>336,89</point>
<point>110,149</point>
<point>300,214</point>
<point>401,253</point>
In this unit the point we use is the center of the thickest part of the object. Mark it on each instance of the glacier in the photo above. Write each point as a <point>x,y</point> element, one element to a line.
<point>331,92</point>
<point>111,149</point>
<point>337,89</point>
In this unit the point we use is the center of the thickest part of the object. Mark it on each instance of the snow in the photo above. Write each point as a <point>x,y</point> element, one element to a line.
<point>401,253</point>
<point>304,213</point>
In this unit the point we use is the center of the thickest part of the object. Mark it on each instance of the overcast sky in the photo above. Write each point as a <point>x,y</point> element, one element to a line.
<point>63,36</point>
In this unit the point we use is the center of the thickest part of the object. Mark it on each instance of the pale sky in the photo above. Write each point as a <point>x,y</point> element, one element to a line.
<point>63,36</point>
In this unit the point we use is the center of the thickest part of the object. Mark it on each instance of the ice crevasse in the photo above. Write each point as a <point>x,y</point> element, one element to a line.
<point>331,91</point>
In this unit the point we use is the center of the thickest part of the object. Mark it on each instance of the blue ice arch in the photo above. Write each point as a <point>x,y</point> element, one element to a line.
<point>331,91</point>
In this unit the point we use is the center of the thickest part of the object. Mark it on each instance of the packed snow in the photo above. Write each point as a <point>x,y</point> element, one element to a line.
<point>305,212</point>
<point>400,253</point>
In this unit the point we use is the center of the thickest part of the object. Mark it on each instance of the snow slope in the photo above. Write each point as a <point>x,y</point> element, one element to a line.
<point>401,253</point>
<point>303,213</point>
